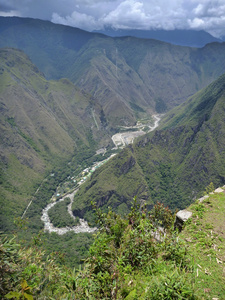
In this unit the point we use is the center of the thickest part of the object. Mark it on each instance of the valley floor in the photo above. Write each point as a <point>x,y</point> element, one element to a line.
<point>118,139</point>
<point>125,138</point>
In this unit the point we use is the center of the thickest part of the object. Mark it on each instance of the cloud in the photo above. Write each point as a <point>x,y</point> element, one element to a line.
<point>10,13</point>
<point>146,15</point>
<point>7,9</point>
<point>76,19</point>
<point>143,14</point>
<point>127,13</point>
<point>209,16</point>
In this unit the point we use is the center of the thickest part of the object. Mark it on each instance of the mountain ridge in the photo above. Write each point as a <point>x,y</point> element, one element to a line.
<point>130,77</point>
<point>177,160</point>
<point>191,38</point>
<point>43,125</point>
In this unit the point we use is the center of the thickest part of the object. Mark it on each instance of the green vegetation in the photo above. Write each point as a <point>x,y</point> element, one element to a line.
<point>50,130</point>
<point>160,106</point>
<point>126,262</point>
<point>59,215</point>
<point>122,174</point>
<point>171,165</point>
<point>204,235</point>
<point>153,75</point>
<point>135,107</point>
<point>71,249</point>
<point>44,126</point>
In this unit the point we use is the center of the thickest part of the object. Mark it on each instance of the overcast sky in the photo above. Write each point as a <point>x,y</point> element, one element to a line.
<point>208,15</point>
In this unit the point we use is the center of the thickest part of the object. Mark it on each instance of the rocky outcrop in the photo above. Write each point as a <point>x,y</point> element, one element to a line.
<point>181,217</point>
<point>125,168</point>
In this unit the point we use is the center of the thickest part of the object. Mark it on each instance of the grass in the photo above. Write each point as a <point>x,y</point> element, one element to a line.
<point>205,237</point>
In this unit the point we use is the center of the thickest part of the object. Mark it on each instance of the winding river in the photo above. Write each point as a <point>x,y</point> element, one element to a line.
<point>83,226</point>
<point>48,226</point>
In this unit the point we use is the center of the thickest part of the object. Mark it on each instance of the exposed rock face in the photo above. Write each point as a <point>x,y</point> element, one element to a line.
<point>181,217</point>
<point>219,190</point>
<point>125,168</point>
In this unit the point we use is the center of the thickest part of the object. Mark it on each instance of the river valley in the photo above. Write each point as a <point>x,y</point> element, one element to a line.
<point>120,140</point>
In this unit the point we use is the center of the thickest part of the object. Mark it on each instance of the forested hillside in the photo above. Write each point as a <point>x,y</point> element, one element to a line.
<point>44,124</point>
<point>64,93</point>
<point>172,165</point>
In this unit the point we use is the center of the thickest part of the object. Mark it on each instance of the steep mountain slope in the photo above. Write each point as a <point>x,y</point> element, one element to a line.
<point>43,124</point>
<point>130,77</point>
<point>125,260</point>
<point>172,165</point>
<point>191,38</point>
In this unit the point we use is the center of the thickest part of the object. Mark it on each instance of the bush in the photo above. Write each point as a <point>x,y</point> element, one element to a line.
<point>170,287</point>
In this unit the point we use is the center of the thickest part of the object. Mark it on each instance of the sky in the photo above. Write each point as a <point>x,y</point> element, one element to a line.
<point>208,15</point>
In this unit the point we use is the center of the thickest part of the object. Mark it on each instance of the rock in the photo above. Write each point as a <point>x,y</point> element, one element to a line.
<point>184,215</point>
<point>181,217</point>
<point>125,168</point>
<point>219,190</point>
<point>203,198</point>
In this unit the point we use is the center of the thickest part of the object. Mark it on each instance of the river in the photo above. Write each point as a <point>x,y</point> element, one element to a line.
<point>120,140</point>
<point>125,138</point>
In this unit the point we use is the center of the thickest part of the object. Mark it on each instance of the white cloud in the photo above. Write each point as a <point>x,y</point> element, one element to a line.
<point>198,10</point>
<point>129,13</point>
<point>209,16</point>
<point>76,19</point>
<point>146,15</point>
<point>10,13</point>
<point>143,14</point>
<point>196,23</point>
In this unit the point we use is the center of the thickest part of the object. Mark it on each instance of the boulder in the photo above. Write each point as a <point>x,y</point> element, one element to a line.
<point>219,190</point>
<point>181,217</point>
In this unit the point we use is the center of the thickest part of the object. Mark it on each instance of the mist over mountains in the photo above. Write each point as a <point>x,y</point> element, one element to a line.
<point>191,38</point>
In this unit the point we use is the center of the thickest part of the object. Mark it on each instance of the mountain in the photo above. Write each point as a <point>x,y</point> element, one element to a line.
<point>43,125</point>
<point>173,165</point>
<point>130,77</point>
<point>190,38</point>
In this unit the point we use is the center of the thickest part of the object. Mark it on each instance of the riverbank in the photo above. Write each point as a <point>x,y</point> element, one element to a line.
<point>48,226</point>
<point>121,139</point>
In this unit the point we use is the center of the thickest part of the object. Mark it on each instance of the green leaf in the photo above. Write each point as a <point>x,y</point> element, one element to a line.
<point>28,297</point>
<point>24,284</point>
<point>11,295</point>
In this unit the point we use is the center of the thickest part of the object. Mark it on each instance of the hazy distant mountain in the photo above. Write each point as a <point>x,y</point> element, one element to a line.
<point>191,38</point>
<point>130,77</point>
